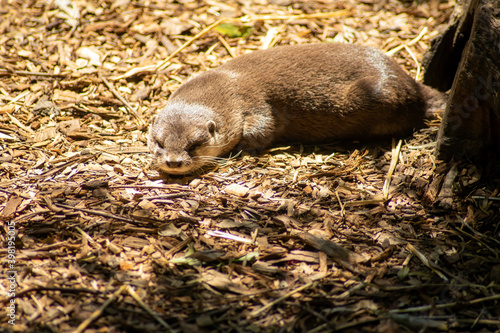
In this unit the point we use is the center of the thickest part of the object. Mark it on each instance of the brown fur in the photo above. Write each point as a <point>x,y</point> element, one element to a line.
<point>308,93</point>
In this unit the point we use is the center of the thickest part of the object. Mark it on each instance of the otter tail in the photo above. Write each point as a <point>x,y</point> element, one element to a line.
<point>435,101</point>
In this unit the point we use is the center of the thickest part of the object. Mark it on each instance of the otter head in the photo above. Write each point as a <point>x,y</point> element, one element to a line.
<point>184,137</point>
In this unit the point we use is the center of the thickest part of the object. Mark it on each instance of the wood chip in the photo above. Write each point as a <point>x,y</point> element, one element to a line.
<point>295,238</point>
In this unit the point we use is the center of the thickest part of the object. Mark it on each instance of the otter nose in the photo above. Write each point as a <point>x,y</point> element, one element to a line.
<point>173,164</point>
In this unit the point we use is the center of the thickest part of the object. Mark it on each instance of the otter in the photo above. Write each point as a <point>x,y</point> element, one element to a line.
<point>308,93</point>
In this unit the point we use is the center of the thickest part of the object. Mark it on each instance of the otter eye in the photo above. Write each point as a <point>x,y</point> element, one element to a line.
<point>160,144</point>
<point>193,147</point>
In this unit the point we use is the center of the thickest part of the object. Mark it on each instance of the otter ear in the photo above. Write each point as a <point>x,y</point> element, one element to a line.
<point>153,120</point>
<point>211,127</point>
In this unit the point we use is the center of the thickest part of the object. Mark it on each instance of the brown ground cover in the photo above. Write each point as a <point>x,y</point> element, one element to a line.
<point>351,237</point>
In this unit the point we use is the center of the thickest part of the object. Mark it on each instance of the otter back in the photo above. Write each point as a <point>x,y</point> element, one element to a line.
<point>307,93</point>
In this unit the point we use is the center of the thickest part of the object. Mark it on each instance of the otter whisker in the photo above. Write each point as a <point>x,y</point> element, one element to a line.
<point>211,159</point>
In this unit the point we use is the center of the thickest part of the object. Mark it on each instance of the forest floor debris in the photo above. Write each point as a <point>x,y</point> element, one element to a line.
<point>323,238</point>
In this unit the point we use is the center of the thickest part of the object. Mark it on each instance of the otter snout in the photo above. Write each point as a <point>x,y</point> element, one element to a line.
<point>173,164</point>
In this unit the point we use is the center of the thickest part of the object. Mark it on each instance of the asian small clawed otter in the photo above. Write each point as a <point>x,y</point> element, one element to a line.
<point>307,93</point>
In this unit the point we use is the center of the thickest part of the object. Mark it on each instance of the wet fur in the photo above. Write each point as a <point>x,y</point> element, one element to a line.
<point>308,93</point>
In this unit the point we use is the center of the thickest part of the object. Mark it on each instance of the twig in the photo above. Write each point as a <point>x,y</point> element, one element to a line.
<point>160,187</point>
<point>132,293</point>
<point>50,205</point>
<point>98,312</point>
<point>244,19</point>
<point>96,212</point>
<point>341,327</point>
<point>18,123</point>
<point>178,247</point>
<point>394,162</point>
<point>342,209</point>
<point>479,321</point>
<point>61,289</point>
<point>433,323</point>
<point>327,324</point>
<point>27,216</point>
<point>117,95</point>
<point>167,196</point>
<point>90,239</point>
<point>346,294</point>
<point>482,197</point>
<point>27,73</point>
<point>447,305</point>
<point>424,146</point>
<point>226,45</point>
<point>345,258</point>
<point>189,42</point>
<point>57,169</point>
<point>294,17</point>
<point>419,67</point>
<point>24,196</point>
<point>226,235</point>
<point>477,235</point>
<point>426,262</point>
<point>406,47</point>
<point>280,299</point>
<point>413,41</point>
<point>363,202</point>
<point>14,100</point>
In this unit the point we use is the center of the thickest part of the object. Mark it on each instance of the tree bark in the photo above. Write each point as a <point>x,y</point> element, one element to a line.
<point>471,123</point>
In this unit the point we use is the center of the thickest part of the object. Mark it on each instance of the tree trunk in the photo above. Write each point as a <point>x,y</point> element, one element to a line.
<point>471,123</point>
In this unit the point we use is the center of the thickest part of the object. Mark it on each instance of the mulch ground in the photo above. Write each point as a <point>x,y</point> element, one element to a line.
<point>350,237</point>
